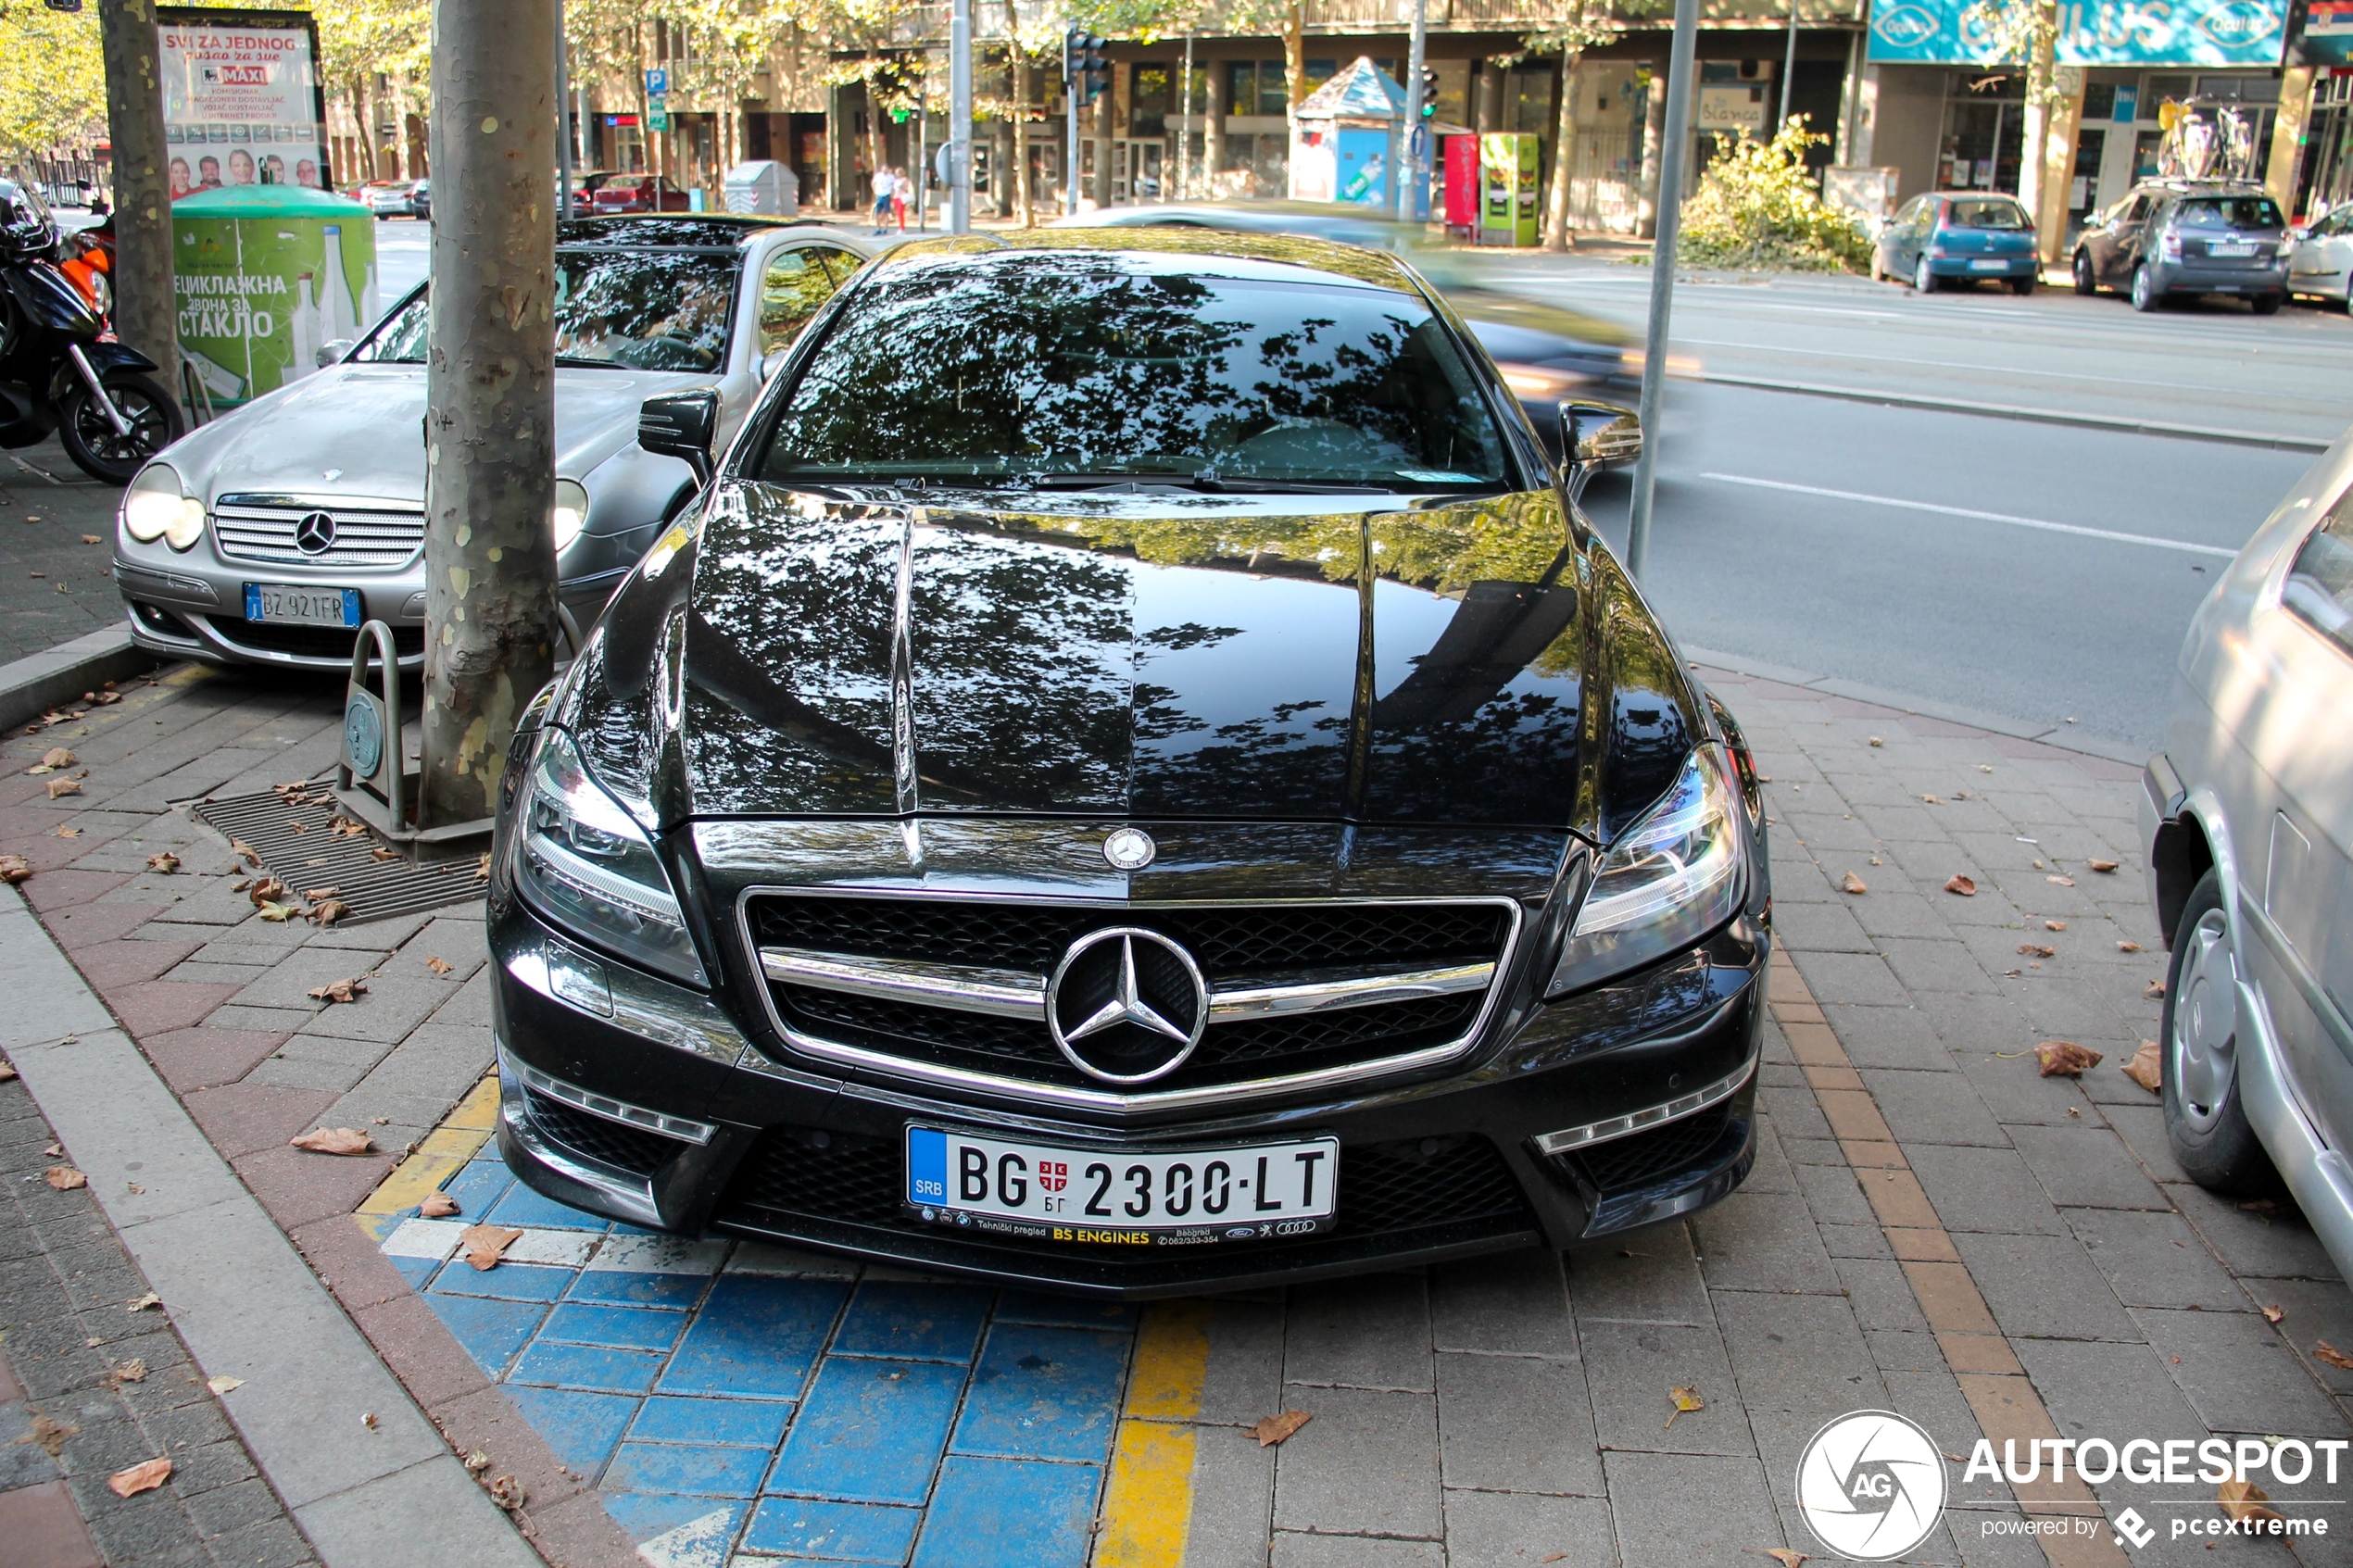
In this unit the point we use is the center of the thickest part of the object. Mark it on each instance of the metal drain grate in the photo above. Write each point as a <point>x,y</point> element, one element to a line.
<point>298,845</point>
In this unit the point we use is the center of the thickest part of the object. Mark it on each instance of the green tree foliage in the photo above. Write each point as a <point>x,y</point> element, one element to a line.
<point>52,85</point>
<point>1757,206</point>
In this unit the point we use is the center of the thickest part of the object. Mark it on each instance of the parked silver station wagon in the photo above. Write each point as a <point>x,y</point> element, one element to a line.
<point>269,536</point>
<point>2248,818</point>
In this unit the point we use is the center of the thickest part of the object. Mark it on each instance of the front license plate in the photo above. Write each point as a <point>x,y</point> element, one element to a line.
<point>1187,1199</point>
<point>288,605</point>
<point>1989,265</point>
<point>2230,250</point>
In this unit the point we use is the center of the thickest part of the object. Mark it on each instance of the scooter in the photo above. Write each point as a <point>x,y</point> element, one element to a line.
<point>60,367</point>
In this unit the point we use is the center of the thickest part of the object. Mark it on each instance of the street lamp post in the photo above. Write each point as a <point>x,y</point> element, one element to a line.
<point>1789,64</point>
<point>1411,177</point>
<point>1670,220</point>
<point>960,117</point>
<point>563,117</point>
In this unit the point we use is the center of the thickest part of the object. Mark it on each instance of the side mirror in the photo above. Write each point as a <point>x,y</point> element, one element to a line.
<point>682,425</point>
<point>1600,435</point>
<point>333,353</point>
<point>772,362</point>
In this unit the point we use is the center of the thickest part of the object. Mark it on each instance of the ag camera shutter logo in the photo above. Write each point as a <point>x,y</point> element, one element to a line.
<point>1871,1485</point>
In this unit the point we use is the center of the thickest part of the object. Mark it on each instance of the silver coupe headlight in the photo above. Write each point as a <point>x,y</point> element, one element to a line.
<point>589,867</point>
<point>1669,880</point>
<point>156,507</point>
<point>572,512</point>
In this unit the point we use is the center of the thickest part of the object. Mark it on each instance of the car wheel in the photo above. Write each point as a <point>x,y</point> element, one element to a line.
<point>1923,280</point>
<point>2085,280</point>
<point>2146,295</point>
<point>2024,286</point>
<point>2204,1118</point>
<point>2266,304</point>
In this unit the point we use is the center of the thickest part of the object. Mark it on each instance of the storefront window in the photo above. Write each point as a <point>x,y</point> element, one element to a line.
<point>1984,123</point>
<point>1148,102</point>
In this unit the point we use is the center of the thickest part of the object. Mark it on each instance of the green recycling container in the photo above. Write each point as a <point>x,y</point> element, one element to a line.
<point>266,274</point>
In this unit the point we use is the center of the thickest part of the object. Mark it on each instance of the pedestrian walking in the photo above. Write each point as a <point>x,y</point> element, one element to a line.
<point>886,189</point>
<point>901,188</point>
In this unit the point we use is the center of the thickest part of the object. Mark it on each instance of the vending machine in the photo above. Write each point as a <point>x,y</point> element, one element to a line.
<point>1507,188</point>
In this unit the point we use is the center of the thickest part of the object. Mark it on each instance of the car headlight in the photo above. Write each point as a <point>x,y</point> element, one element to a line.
<point>588,864</point>
<point>572,512</point>
<point>1669,880</point>
<point>155,506</point>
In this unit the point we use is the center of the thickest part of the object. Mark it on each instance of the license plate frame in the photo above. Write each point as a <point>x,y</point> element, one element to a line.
<point>2232,250</point>
<point>1309,1179</point>
<point>266,604</point>
<point>1992,265</point>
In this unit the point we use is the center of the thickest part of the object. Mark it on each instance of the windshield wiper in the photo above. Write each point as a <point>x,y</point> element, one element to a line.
<point>591,364</point>
<point>1208,480</point>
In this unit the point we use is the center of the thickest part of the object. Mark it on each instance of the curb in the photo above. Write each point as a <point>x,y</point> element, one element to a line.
<point>367,1477</point>
<point>2057,737</point>
<point>31,685</point>
<point>2028,416</point>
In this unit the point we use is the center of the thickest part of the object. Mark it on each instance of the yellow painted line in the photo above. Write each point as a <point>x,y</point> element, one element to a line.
<point>442,1155</point>
<point>1148,1507</point>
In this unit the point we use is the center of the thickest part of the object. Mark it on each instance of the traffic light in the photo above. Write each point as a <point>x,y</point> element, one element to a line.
<point>1086,66</point>
<point>1430,92</point>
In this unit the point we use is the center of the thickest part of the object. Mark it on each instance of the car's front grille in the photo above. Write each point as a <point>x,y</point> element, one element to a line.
<point>1236,947</point>
<point>633,1150</point>
<point>1627,1163</point>
<point>373,537</point>
<point>309,642</point>
<point>1386,1189</point>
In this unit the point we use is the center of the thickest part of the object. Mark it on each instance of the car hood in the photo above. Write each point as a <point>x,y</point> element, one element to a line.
<point>365,425</point>
<point>1160,656</point>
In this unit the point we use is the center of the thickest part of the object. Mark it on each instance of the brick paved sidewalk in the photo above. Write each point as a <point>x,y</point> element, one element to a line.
<point>1932,1227</point>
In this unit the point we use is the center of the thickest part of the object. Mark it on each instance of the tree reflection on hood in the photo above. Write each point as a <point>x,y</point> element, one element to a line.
<point>1037,364</point>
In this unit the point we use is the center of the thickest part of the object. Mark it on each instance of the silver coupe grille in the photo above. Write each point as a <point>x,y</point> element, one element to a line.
<point>276,530</point>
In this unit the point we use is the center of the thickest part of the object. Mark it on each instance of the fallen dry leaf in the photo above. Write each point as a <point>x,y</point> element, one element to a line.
<point>68,832</point>
<point>482,867</point>
<point>167,862</point>
<point>484,1244</point>
<point>1683,1399</point>
<point>2324,1351</point>
<point>315,894</point>
<point>64,786</point>
<point>132,1370</point>
<point>508,1493</point>
<point>6,1072</point>
<point>90,538</point>
<point>2055,925</point>
<point>2156,991</point>
<point>335,1140</point>
<point>330,910</point>
<point>2101,865</point>
<point>277,915</point>
<point>58,757</point>
<point>224,1384</point>
<point>368,1420</point>
<point>244,851</point>
<point>1962,886</point>
<point>476,1463</point>
<point>1877,741</point>
<point>2062,881</point>
<point>439,965</point>
<point>143,1303</point>
<point>2128,946</point>
<point>2065,1058</point>
<point>241,884</point>
<point>64,1178</point>
<point>340,991</point>
<point>381,853</point>
<point>1785,1557</point>
<point>1272,1429</point>
<point>50,1435</point>
<point>1850,883</point>
<point>140,1478</point>
<point>2243,1501</point>
<point>2146,1068</point>
<point>1931,800</point>
<point>2274,1314</point>
<point>266,890</point>
<point>438,1206</point>
<point>2036,950</point>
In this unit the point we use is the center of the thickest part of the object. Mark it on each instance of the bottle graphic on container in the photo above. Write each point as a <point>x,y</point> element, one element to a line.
<point>304,330</point>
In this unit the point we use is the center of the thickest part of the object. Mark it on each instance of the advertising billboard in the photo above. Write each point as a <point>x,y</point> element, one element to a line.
<point>2092,32</point>
<point>242,100</point>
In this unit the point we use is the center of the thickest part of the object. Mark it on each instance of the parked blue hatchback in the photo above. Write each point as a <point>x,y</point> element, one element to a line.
<point>1957,237</point>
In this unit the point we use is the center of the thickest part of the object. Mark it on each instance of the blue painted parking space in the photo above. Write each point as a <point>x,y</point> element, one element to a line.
<point>734,1402</point>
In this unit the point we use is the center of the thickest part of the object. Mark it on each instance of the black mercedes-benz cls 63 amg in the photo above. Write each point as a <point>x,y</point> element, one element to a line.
<point>1133,776</point>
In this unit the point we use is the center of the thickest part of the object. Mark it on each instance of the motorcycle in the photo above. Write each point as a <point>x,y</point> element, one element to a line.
<point>60,367</point>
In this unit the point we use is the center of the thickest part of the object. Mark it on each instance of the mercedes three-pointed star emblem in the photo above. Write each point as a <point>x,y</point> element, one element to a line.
<point>1126,1005</point>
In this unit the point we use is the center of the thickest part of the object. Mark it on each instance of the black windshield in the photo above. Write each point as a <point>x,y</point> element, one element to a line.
<point>2227,212</point>
<point>644,310</point>
<point>1042,367</point>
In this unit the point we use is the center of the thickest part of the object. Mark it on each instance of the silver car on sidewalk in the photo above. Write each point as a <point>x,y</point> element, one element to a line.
<point>269,536</point>
<point>2249,819</point>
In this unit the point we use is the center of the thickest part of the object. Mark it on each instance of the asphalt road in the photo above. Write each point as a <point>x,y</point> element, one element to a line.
<point>1850,540</point>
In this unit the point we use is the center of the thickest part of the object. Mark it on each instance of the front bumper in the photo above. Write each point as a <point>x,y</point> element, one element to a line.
<point>1438,1164</point>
